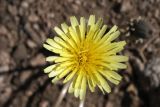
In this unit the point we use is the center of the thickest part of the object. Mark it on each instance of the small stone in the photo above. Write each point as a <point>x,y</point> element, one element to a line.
<point>78,2</point>
<point>157,13</point>
<point>75,8</point>
<point>5,93</point>
<point>25,4</point>
<point>29,93</point>
<point>152,71</point>
<point>36,26</point>
<point>44,103</point>
<point>126,6</point>
<point>50,15</point>
<point>33,18</point>
<point>20,53</point>
<point>31,44</point>
<point>131,88</point>
<point>2,82</point>
<point>70,1</point>
<point>4,68</point>
<point>4,59</point>
<point>12,10</point>
<point>38,60</point>
<point>3,43</point>
<point>35,37</point>
<point>24,75</point>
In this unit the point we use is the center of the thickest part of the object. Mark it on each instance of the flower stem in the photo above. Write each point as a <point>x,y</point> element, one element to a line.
<point>62,95</point>
<point>81,104</point>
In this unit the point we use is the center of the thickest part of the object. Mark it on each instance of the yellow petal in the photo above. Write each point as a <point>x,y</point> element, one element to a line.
<point>107,35</point>
<point>51,58</point>
<point>73,34</point>
<point>109,77</point>
<point>71,75</point>
<point>71,89</point>
<point>66,54</point>
<point>117,58</point>
<point>78,80</point>
<point>52,49</point>
<point>61,33</point>
<point>101,88</point>
<point>83,88</point>
<point>99,23</point>
<point>101,33</point>
<point>78,84</point>
<point>62,59</point>
<point>91,20</point>
<point>64,27</point>
<point>53,43</point>
<point>113,29</point>
<point>74,21</point>
<point>118,65</point>
<point>91,33</point>
<point>50,68</point>
<point>65,72</point>
<point>76,92</point>
<point>103,83</point>
<point>82,27</point>
<point>62,42</point>
<point>114,75</point>
<point>54,73</point>
<point>115,50</point>
<point>113,36</point>
<point>67,63</point>
<point>55,79</point>
<point>90,84</point>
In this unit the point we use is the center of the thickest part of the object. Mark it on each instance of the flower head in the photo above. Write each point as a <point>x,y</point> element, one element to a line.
<point>86,55</point>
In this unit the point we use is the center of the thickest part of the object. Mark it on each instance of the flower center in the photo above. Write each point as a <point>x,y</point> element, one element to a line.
<point>82,57</point>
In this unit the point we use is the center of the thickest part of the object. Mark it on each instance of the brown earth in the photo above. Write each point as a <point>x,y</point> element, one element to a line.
<point>25,25</point>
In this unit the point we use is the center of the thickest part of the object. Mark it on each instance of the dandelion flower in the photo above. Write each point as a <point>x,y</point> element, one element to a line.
<point>86,55</point>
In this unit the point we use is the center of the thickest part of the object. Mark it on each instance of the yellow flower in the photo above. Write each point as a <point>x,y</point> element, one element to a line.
<point>86,55</point>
